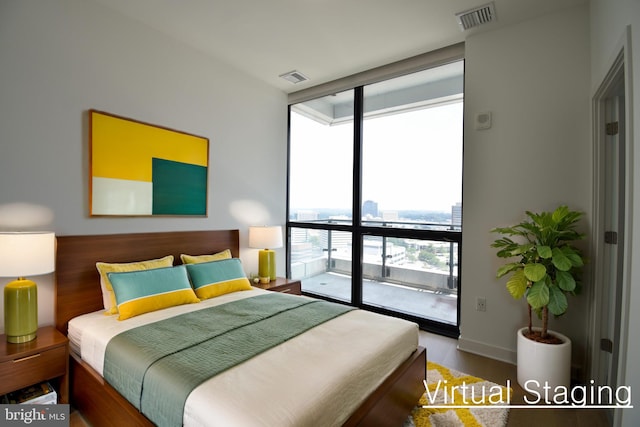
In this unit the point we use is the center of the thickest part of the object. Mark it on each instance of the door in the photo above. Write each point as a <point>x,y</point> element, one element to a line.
<point>611,209</point>
<point>614,239</point>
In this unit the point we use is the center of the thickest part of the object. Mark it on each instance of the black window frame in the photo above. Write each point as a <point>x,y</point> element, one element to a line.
<point>359,230</point>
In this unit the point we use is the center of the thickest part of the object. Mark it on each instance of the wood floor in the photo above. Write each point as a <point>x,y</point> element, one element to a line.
<point>444,351</point>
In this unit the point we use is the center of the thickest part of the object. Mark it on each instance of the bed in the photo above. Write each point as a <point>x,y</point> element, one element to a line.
<point>358,368</point>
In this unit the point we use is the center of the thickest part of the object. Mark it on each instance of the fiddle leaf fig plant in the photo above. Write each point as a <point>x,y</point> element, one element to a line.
<point>546,264</point>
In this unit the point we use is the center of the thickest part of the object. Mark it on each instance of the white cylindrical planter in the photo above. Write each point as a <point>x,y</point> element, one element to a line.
<point>541,364</point>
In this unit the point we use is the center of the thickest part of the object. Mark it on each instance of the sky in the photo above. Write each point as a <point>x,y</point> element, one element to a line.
<point>412,161</point>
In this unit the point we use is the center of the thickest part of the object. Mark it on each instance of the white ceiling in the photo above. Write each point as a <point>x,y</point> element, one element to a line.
<point>323,39</point>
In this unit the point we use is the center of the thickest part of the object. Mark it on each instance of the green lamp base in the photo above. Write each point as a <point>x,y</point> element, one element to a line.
<point>20,310</point>
<point>267,264</point>
<point>22,338</point>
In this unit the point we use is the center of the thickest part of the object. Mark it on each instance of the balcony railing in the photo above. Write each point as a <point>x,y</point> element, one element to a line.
<point>410,271</point>
<point>415,225</point>
<point>435,281</point>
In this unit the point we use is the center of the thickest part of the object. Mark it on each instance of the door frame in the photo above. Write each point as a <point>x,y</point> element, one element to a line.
<point>619,64</point>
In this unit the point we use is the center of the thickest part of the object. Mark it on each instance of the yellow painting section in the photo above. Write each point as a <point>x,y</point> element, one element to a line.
<point>123,149</point>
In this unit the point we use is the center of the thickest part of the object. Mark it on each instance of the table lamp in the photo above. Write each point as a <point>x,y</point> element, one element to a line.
<point>24,254</point>
<point>266,238</point>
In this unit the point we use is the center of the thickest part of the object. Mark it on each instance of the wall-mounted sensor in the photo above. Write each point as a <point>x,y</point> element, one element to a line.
<point>483,120</point>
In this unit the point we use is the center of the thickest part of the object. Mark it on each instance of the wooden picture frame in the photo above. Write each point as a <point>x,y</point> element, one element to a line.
<point>140,169</point>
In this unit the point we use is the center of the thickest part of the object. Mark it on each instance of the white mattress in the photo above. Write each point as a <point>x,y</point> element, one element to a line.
<point>317,378</point>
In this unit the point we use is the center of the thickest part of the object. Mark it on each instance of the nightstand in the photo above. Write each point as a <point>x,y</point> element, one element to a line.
<point>45,358</point>
<point>286,286</point>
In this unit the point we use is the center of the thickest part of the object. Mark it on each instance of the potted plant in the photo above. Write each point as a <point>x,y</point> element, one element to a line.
<point>544,267</point>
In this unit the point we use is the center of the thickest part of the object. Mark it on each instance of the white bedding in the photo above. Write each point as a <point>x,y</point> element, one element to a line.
<point>315,379</point>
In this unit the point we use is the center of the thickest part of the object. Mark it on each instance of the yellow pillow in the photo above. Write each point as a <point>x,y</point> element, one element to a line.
<point>195,259</point>
<point>104,268</point>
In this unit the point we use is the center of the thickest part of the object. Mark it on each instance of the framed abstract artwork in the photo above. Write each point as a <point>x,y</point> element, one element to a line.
<point>140,169</point>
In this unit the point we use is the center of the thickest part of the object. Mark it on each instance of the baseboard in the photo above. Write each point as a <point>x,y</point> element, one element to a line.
<point>490,351</point>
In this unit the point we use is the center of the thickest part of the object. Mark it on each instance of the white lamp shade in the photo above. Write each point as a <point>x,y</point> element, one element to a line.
<point>26,254</point>
<point>265,237</point>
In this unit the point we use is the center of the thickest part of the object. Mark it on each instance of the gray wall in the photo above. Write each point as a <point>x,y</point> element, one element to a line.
<point>534,78</point>
<point>61,58</point>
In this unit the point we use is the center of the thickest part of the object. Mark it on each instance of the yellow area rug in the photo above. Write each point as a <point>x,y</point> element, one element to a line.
<point>455,399</point>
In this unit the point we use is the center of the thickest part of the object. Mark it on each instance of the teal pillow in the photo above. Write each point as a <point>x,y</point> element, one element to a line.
<point>143,291</point>
<point>215,278</point>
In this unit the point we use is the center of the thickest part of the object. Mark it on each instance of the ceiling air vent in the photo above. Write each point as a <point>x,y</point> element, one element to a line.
<point>294,77</point>
<point>477,16</point>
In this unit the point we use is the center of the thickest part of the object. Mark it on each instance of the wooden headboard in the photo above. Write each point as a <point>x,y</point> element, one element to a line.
<point>78,283</point>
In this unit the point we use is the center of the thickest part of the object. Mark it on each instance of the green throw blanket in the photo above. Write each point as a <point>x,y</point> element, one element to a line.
<point>156,366</point>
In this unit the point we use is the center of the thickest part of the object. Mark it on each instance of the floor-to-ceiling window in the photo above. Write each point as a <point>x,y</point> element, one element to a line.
<point>375,195</point>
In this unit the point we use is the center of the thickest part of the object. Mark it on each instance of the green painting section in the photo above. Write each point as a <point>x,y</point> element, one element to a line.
<point>178,188</point>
